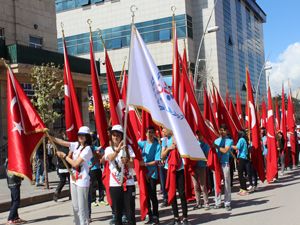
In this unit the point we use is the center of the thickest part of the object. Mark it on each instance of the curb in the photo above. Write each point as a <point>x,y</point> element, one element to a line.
<point>5,206</point>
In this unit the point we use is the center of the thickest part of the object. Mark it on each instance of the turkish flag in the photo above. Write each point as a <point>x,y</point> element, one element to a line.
<point>100,117</point>
<point>263,120</point>
<point>256,154</point>
<point>73,116</point>
<point>117,108</point>
<point>283,126</point>
<point>234,115</point>
<point>207,112</point>
<point>215,107</point>
<point>291,126</point>
<point>225,117</point>
<point>272,156</point>
<point>239,109</point>
<point>25,129</point>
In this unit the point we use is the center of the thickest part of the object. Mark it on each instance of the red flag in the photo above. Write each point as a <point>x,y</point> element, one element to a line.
<point>72,111</point>
<point>24,129</point>
<point>277,119</point>
<point>272,158</point>
<point>117,110</point>
<point>133,117</point>
<point>239,109</point>
<point>283,126</point>
<point>257,157</point>
<point>234,115</point>
<point>215,107</point>
<point>227,99</point>
<point>213,163</point>
<point>263,120</point>
<point>208,113</point>
<point>291,126</point>
<point>176,69</point>
<point>100,117</point>
<point>225,117</point>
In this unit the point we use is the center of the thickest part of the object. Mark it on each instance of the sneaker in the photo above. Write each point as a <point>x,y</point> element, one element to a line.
<point>163,204</point>
<point>251,188</point>
<point>55,196</point>
<point>206,206</point>
<point>228,208</point>
<point>185,221</point>
<point>148,220</point>
<point>155,220</point>
<point>197,206</point>
<point>112,221</point>
<point>124,219</point>
<point>95,204</point>
<point>103,203</point>
<point>217,207</point>
<point>174,222</point>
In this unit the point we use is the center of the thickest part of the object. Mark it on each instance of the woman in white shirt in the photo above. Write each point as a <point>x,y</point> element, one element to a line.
<point>121,182</point>
<point>79,156</point>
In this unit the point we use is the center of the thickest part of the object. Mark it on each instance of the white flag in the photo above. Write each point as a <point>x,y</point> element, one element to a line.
<point>147,89</point>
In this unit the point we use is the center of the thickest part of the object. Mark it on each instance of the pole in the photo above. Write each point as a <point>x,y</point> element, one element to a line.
<point>45,165</point>
<point>133,8</point>
<point>200,45</point>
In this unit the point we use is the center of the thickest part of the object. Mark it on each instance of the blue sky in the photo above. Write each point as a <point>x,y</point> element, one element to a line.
<point>282,28</point>
<point>282,43</point>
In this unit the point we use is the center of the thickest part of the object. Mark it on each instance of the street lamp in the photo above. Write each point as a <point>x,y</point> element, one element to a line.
<point>207,30</point>
<point>264,68</point>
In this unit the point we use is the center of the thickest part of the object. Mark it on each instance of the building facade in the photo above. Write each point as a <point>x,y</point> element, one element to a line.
<point>224,55</point>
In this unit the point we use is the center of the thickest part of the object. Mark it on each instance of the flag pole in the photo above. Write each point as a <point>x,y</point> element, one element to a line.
<point>122,73</point>
<point>133,9</point>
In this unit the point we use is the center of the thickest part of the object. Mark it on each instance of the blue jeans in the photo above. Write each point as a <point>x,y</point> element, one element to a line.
<point>15,202</point>
<point>39,171</point>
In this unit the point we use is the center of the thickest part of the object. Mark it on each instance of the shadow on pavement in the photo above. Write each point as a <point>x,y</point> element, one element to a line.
<point>253,212</point>
<point>47,218</point>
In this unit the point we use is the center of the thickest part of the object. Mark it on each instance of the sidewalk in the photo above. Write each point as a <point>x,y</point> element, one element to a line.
<point>30,194</point>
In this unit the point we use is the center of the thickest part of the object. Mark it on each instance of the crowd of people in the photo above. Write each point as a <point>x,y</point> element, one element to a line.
<point>86,159</point>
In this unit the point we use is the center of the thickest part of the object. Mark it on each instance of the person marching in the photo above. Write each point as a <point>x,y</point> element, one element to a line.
<point>199,176</point>
<point>169,147</point>
<point>151,151</point>
<point>281,151</point>
<point>223,145</point>
<point>79,156</point>
<point>122,190</point>
<point>242,154</point>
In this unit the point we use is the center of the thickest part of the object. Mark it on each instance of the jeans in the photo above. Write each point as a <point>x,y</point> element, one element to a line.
<point>252,174</point>
<point>96,180</point>
<point>242,168</point>
<point>163,176</point>
<point>181,191</point>
<point>152,199</point>
<point>123,200</point>
<point>15,202</point>
<point>39,171</point>
<point>199,182</point>
<point>80,204</point>
<point>227,187</point>
<point>282,161</point>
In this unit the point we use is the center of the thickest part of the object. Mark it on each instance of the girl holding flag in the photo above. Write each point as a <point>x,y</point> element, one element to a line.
<point>79,156</point>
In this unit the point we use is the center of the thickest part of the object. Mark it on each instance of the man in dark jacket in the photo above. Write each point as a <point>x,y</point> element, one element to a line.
<point>14,184</point>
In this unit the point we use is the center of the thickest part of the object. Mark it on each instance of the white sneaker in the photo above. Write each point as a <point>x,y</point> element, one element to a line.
<point>249,188</point>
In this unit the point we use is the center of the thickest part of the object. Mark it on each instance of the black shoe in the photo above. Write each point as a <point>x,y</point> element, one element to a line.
<point>155,220</point>
<point>185,221</point>
<point>55,196</point>
<point>174,222</point>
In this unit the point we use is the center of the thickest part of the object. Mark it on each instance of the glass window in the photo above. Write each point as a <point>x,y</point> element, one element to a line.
<point>35,42</point>
<point>116,43</point>
<point>84,2</point>
<point>1,33</point>
<point>96,1</point>
<point>164,35</point>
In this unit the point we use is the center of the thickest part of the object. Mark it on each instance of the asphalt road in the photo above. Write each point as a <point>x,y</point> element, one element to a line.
<point>271,204</point>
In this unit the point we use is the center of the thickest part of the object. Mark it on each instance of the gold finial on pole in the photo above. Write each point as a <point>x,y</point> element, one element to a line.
<point>133,9</point>
<point>173,9</point>
<point>89,22</point>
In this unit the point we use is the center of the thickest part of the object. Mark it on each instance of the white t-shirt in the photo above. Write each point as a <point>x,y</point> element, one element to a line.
<point>83,178</point>
<point>114,179</point>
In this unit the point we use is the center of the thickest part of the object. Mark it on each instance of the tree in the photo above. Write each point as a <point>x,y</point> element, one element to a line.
<point>48,88</point>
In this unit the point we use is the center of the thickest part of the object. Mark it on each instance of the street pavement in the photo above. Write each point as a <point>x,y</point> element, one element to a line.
<point>271,204</point>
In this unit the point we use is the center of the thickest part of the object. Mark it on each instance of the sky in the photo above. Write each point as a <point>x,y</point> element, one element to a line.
<point>282,42</point>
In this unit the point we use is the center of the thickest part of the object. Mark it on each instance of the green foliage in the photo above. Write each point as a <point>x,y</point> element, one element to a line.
<point>48,86</point>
